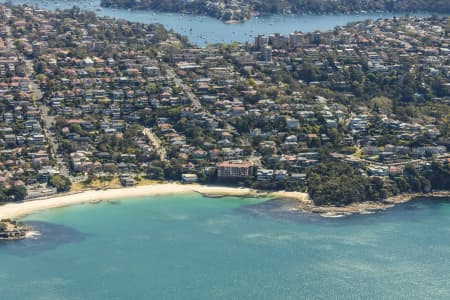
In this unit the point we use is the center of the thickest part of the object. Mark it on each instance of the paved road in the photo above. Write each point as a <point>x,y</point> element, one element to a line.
<point>160,149</point>
<point>351,158</point>
<point>37,98</point>
<point>196,104</point>
<point>34,87</point>
<point>186,89</point>
<point>48,123</point>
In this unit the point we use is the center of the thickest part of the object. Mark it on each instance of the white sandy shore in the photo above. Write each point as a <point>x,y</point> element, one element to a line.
<point>16,210</point>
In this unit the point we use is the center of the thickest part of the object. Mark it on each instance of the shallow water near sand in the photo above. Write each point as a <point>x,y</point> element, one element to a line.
<point>192,247</point>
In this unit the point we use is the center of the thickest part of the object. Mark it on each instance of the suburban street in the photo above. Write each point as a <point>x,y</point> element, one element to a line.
<point>156,142</point>
<point>39,103</point>
<point>187,89</point>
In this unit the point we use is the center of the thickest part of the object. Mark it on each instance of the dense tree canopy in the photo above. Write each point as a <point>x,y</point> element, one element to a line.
<point>61,183</point>
<point>337,183</point>
<point>282,6</point>
<point>18,192</point>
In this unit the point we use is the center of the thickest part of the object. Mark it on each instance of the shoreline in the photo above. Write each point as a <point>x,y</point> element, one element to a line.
<point>21,209</point>
<point>303,202</point>
<point>368,207</point>
<point>257,14</point>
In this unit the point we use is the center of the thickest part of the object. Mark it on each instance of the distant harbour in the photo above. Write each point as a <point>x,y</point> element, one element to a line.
<point>202,30</point>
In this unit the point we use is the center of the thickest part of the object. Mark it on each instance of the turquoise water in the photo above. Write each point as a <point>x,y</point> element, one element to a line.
<point>203,30</point>
<point>190,247</point>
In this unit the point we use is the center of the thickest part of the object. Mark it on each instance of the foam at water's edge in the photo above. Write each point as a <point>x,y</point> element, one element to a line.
<point>332,215</point>
<point>34,234</point>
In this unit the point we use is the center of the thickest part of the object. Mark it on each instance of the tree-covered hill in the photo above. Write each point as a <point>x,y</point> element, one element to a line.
<point>243,9</point>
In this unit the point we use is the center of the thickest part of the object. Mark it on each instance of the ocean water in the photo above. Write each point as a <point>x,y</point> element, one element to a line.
<point>202,30</point>
<point>191,247</point>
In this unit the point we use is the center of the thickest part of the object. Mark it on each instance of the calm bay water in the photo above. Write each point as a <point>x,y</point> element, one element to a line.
<point>205,30</point>
<point>190,247</point>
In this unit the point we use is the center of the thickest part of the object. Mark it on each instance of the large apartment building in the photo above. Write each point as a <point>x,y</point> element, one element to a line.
<point>234,169</point>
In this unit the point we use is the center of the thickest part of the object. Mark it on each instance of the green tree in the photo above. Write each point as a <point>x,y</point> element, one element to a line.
<point>154,172</point>
<point>17,192</point>
<point>3,195</point>
<point>19,45</point>
<point>309,72</point>
<point>337,183</point>
<point>60,182</point>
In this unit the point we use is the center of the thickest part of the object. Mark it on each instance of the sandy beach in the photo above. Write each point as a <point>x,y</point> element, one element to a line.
<point>17,210</point>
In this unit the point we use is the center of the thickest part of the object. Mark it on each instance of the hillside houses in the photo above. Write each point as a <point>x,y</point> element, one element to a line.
<point>147,104</point>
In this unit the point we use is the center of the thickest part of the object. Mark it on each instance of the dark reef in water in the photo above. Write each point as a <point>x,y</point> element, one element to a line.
<point>285,210</point>
<point>49,237</point>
